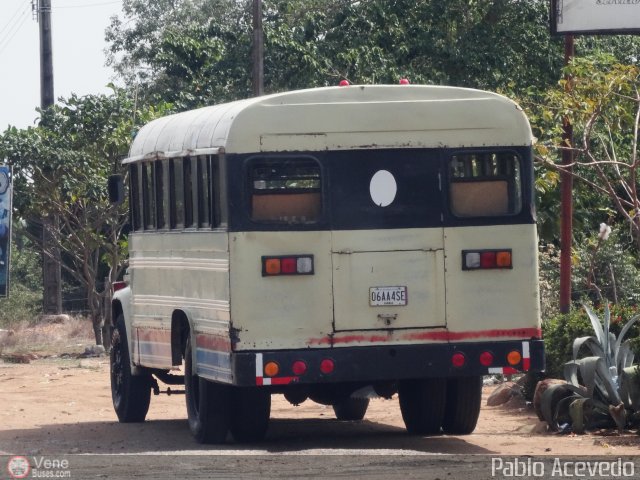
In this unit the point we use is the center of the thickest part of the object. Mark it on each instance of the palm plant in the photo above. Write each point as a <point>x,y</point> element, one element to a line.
<point>601,388</point>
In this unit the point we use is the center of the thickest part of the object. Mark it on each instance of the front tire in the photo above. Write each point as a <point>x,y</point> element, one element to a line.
<point>422,403</point>
<point>131,394</point>
<point>208,404</point>
<point>351,409</point>
<point>464,397</point>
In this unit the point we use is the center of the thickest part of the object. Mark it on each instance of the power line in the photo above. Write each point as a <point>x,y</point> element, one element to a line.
<point>5,40</point>
<point>11,19</point>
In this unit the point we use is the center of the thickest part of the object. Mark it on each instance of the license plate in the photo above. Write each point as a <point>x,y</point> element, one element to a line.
<point>381,296</point>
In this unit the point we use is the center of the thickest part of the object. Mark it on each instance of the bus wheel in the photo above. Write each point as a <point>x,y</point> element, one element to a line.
<point>464,396</point>
<point>131,394</point>
<point>208,404</point>
<point>250,416</point>
<point>352,408</point>
<point>422,403</point>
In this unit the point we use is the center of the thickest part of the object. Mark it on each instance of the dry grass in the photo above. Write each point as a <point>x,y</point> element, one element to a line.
<point>45,337</point>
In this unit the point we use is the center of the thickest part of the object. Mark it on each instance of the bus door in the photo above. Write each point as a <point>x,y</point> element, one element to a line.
<point>387,240</point>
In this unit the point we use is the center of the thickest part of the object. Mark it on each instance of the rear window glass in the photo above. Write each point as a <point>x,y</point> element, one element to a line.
<point>485,184</point>
<point>285,191</point>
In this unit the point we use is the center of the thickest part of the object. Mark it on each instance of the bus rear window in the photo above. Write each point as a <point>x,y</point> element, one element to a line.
<point>485,184</point>
<point>285,191</point>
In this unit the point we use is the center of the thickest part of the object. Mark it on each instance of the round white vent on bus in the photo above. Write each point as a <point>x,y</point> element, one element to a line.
<point>383,188</point>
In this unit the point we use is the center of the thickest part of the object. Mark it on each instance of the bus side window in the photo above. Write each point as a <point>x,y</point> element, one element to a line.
<point>285,191</point>
<point>485,184</point>
<point>160,174</point>
<point>203,178</point>
<point>188,174</point>
<point>148,197</point>
<point>176,201</point>
<point>134,196</point>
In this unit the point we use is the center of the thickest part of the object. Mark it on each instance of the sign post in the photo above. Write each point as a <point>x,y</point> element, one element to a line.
<point>569,18</point>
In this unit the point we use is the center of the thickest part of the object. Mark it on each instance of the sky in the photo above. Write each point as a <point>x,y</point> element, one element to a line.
<point>77,28</point>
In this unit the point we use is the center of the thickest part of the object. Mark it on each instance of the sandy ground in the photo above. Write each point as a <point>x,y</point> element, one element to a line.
<point>64,407</point>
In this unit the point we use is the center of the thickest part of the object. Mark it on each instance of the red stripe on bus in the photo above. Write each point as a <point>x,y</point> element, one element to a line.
<point>213,342</point>
<point>153,335</point>
<point>438,336</point>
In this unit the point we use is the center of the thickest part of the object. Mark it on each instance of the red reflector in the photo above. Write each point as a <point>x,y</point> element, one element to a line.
<point>457,360</point>
<point>118,286</point>
<point>327,366</point>
<point>288,265</point>
<point>299,367</point>
<point>488,260</point>
<point>486,359</point>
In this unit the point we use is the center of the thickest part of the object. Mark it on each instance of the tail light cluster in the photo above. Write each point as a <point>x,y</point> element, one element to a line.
<point>299,367</point>
<point>486,359</point>
<point>287,265</point>
<point>486,259</point>
<point>119,285</point>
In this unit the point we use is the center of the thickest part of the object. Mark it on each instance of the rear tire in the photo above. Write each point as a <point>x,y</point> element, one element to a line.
<point>208,404</point>
<point>131,394</point>
<point>422,403</point>
<point>351,409</point>
<point>250,418</point>
<point>464,397</point>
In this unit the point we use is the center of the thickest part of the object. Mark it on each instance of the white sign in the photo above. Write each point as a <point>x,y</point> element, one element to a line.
<point>595,16</point>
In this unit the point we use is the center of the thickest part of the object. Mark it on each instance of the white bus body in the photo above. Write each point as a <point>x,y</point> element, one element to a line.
<point>319,242</point>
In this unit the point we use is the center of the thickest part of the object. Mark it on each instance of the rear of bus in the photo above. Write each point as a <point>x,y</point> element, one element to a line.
<point>386,257</point>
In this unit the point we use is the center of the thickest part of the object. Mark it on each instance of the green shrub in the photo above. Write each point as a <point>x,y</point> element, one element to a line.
<point>21,306</point>
<point>561,330</point>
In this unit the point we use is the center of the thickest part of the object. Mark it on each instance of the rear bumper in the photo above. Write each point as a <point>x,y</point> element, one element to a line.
<point>385,363</point>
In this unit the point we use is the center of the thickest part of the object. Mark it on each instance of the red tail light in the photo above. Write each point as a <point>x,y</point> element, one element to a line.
<point>486,359</point>
<point>458,359</point>
<point>327,366</point>
<point>299,367</point>
<point>287,265</point>
<point>487,259</point>
<point>118,285</point>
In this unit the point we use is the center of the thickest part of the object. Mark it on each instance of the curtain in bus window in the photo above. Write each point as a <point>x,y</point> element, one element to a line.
<point>285,191</point>
<point>485,184</point>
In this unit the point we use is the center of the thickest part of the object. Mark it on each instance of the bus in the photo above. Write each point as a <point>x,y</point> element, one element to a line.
<point>332,244</point>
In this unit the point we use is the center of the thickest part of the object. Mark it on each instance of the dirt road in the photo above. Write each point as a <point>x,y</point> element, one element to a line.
<point>62,408</point>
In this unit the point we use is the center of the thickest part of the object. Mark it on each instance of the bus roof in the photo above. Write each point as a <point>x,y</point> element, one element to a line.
<point>339,118</point>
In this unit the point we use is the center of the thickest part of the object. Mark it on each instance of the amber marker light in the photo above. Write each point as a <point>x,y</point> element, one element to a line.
<point>514,357</point>
<point>271,369</point>
<point>272,266</point>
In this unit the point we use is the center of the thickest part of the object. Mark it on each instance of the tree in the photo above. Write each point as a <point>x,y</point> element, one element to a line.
<point>195,52</point>
<point>603,105</point>
<point>60,169</point>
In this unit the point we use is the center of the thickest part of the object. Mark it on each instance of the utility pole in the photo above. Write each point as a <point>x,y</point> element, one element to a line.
<point>51,271</point>
<point>258,50</point>
<point>566,194</point>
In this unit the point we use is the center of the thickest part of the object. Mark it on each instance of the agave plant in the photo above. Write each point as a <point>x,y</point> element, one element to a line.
<point>600,389</point>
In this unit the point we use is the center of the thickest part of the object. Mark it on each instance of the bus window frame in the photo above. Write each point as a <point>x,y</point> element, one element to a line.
<point>248,189</point>
<point>524,194</point>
